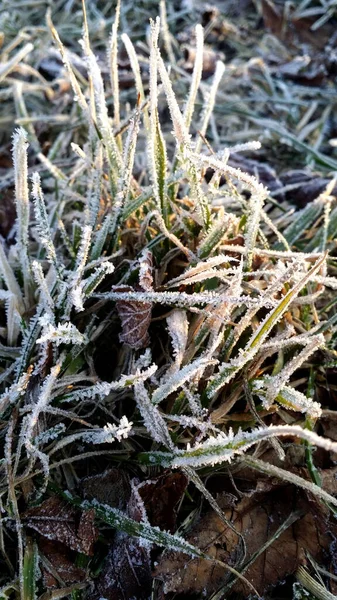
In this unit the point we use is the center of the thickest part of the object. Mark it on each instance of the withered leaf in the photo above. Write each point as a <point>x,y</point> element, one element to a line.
<point>161,496</point>
<point>57,520</point>
<point>111,487</point>
<point>136,316</point>
<point>126,573</point>
<point>127,570</point>
<point>307,186</point>
<point>61,569</point>
<point>257,519</point>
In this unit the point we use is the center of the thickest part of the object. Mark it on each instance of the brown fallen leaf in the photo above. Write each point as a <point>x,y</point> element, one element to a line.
<point>257,519</point>
<point>127,570</point>
<point>111,487</point>
<point>57,520</point>
<point>60,569</point>
<point>136,316</point>
<point>135,319</point>
<point>161,496</point>
<point>307,186</point>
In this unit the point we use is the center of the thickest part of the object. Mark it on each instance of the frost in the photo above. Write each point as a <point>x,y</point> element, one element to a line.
<point>64,333</point>
<point>178,329</point>
<point>110,432</point>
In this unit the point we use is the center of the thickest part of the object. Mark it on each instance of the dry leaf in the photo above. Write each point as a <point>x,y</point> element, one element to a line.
<point>111,487</point>
<point>62,569</point>
<point>257,519</point>
<point>135,318</point>
<point>308,186</point>
<point>127,571</point>
<point>57,520</point>
<point>161,496</point>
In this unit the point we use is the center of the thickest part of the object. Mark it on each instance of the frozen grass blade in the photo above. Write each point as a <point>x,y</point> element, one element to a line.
<point>20,161</point>
<point>209,103</point>
<point>196,76</point>
<point>157,148</point>
<point>30,571</point>
<point>43,223</point>
<point>113,55</point>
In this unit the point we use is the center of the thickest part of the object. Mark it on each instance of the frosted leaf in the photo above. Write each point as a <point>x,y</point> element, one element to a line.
<point>21,197</point>
<point>152,419</point>
<point>209,103</point>
<point>135,319</point>
<point>178,329</point>
<point>196,75</point>
<point>12,285</point>
<point>63,333</point>
<point>42,221</point>
<point>104,388</point>
<point>184,299</point>
<point>193,370</point>
<point>275,383</point>
<point>224,447</point>
<point>145,270</point>
<point>110,432</point>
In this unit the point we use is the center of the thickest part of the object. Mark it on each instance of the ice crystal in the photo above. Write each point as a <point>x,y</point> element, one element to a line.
<point>63,333</point>
<point>110,432</point>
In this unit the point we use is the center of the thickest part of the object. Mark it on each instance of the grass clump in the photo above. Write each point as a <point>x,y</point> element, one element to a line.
<point>149,319</point>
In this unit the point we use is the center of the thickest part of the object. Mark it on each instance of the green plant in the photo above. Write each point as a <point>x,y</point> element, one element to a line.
<point>235,289</point>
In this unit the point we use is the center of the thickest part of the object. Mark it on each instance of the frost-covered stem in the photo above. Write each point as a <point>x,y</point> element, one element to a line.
<point>276,382</point>
<point>73,81</point>
<point>184,299</point>
<point>173,238</point>
<point>209,102</point>
<point>166,32</point>
<point>95,184</point>
<point>30,424</point>
<point>196,76</point>
<point>125,181</point>
<point>42,222</point>
<point>273,471</point>
<point>113,51</point>
<point>184,143</point>
<point>21,197</point>
<point>9,279</point>
<point>129,47</point>
<point>42,284</point>
<point>104,127</point>
<point>157,149</point>
<point>224,448</point>
<point>12,498</point>
<point>152,419</point>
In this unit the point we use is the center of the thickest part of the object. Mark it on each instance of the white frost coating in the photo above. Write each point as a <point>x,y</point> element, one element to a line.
<point>104,388</point>
<point>178,329</point>
<point>190,371</point>
<point>63,333</point>
<point>196,76</point>
<point>110,432</point>
<point>21,197</point>
<point>45,296</point>
<point>42,219</point>
<point>184,299</point>
<point>275,383</point>
<point>224,447</point>
<point>209,103</point>
<point>152,419</point>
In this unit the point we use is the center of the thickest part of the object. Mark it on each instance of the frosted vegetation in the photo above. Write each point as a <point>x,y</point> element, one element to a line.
<point>221,269</point>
